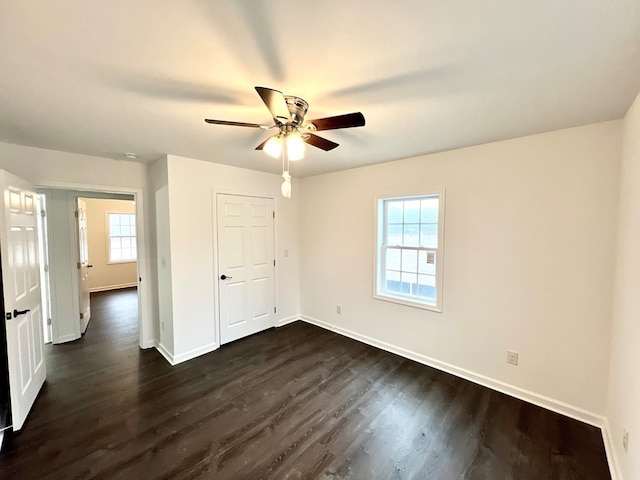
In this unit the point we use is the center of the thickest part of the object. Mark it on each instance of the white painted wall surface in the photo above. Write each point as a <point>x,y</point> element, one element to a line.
<point>65,311</point>
<point>158,179</point>
<point>104,275</point>
<point>529,254</point>
<point>623,406</point>
<point>50,168</point>
<point>192,185</point>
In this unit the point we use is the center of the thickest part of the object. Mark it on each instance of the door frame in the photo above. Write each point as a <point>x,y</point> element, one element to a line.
<point>216,270</point>
<point>147,338</point>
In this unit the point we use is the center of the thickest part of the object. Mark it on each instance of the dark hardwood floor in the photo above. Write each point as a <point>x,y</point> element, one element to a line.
<point>294,402</point>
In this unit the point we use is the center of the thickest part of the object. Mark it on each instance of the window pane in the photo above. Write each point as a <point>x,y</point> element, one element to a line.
<point>392,281</point>
<point>409,261</point>
<point>113,219</point>
<point>394,211</point>
<point>427,262</point>
<point>409,248</point>
<point>429,210</point>
<point>132,221</point>
<point>392,260</point>
<point>115,243</point>
<point>411,236</point>
<point>429,235</point>
<point>412,211</point>
<point>394,235</point>
<point>126,243</point>
<point>408,279</point>
<point>116,254</point>
<point>426,286</point>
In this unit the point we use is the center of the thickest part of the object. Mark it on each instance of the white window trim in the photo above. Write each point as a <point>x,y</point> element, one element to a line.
<point>378,260</point>
<point>108,240</point>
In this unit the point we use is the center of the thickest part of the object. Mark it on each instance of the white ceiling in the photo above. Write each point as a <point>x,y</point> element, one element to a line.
<point>107,77</point>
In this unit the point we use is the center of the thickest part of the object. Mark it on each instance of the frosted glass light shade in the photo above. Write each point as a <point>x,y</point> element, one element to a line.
<point>295,146</point>
<point>273,147</point>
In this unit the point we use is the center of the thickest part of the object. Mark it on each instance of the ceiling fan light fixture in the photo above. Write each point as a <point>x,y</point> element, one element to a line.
<point>273,147</point>
<point>295,146</point>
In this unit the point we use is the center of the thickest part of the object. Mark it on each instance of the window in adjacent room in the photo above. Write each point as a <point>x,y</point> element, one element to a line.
<point>122,237</point>
<point>409,250</point>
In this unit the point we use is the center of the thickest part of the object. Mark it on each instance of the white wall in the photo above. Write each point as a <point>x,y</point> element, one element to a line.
<point>158,179</point>
<point>192,185</point>
<point>65,311</point>
<point>50,168</point>
<point>623,406</point>
<point>104,275</point>
<point>529,253</point>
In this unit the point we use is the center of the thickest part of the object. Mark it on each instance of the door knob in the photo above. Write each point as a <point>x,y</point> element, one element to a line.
<point>89,266</point>
<point>224,277</point>
<point>19,312</point>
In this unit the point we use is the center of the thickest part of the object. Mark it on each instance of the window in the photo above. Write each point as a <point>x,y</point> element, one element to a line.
<point>409,250</point>
<point>122,237</point>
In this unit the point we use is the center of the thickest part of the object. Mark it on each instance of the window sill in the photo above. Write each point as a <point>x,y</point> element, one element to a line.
<point>407,302</point>
<point>120,262</point>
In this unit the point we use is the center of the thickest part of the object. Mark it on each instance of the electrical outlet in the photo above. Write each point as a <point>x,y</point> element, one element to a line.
<point>339,309</point>
<point>625,440</point>
<point>512,357</point>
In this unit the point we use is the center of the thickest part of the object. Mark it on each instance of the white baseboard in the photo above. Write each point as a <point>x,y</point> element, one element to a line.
<point>165,353</point>
<point>149,344</point>
<point>609,447</point>
<point>285,321</point>
<point>106,288</point>
<point>517,392</point>
<point>183,357</point>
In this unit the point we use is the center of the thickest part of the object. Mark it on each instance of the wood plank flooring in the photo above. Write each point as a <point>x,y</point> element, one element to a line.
<point>296,402</point>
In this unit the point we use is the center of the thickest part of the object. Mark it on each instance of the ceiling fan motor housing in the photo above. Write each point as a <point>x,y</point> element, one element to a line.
<point>297,108</point>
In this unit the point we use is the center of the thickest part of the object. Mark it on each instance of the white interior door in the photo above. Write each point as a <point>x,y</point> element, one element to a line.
<point>246,264</point>
<point>83,264</point>
<point>21,279</point>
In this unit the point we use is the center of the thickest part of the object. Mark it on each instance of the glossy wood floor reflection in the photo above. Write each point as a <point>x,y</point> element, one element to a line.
<point>293,402</point>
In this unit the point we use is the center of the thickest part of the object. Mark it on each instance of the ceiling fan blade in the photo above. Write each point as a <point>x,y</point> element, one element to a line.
<point>261,146</point>
<point>319,142</point>
<point>275,102</point>
<point>347,120</point>
<point>235,124</point>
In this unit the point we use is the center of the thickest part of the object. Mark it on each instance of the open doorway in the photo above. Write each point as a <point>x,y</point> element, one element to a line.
<point>107,249</point>
<point>90,244</point>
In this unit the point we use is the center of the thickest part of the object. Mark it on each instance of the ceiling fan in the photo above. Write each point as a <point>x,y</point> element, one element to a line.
<point>288,114</point>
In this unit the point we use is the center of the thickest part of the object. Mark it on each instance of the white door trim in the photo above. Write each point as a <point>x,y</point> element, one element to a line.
<point>145,320</point>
